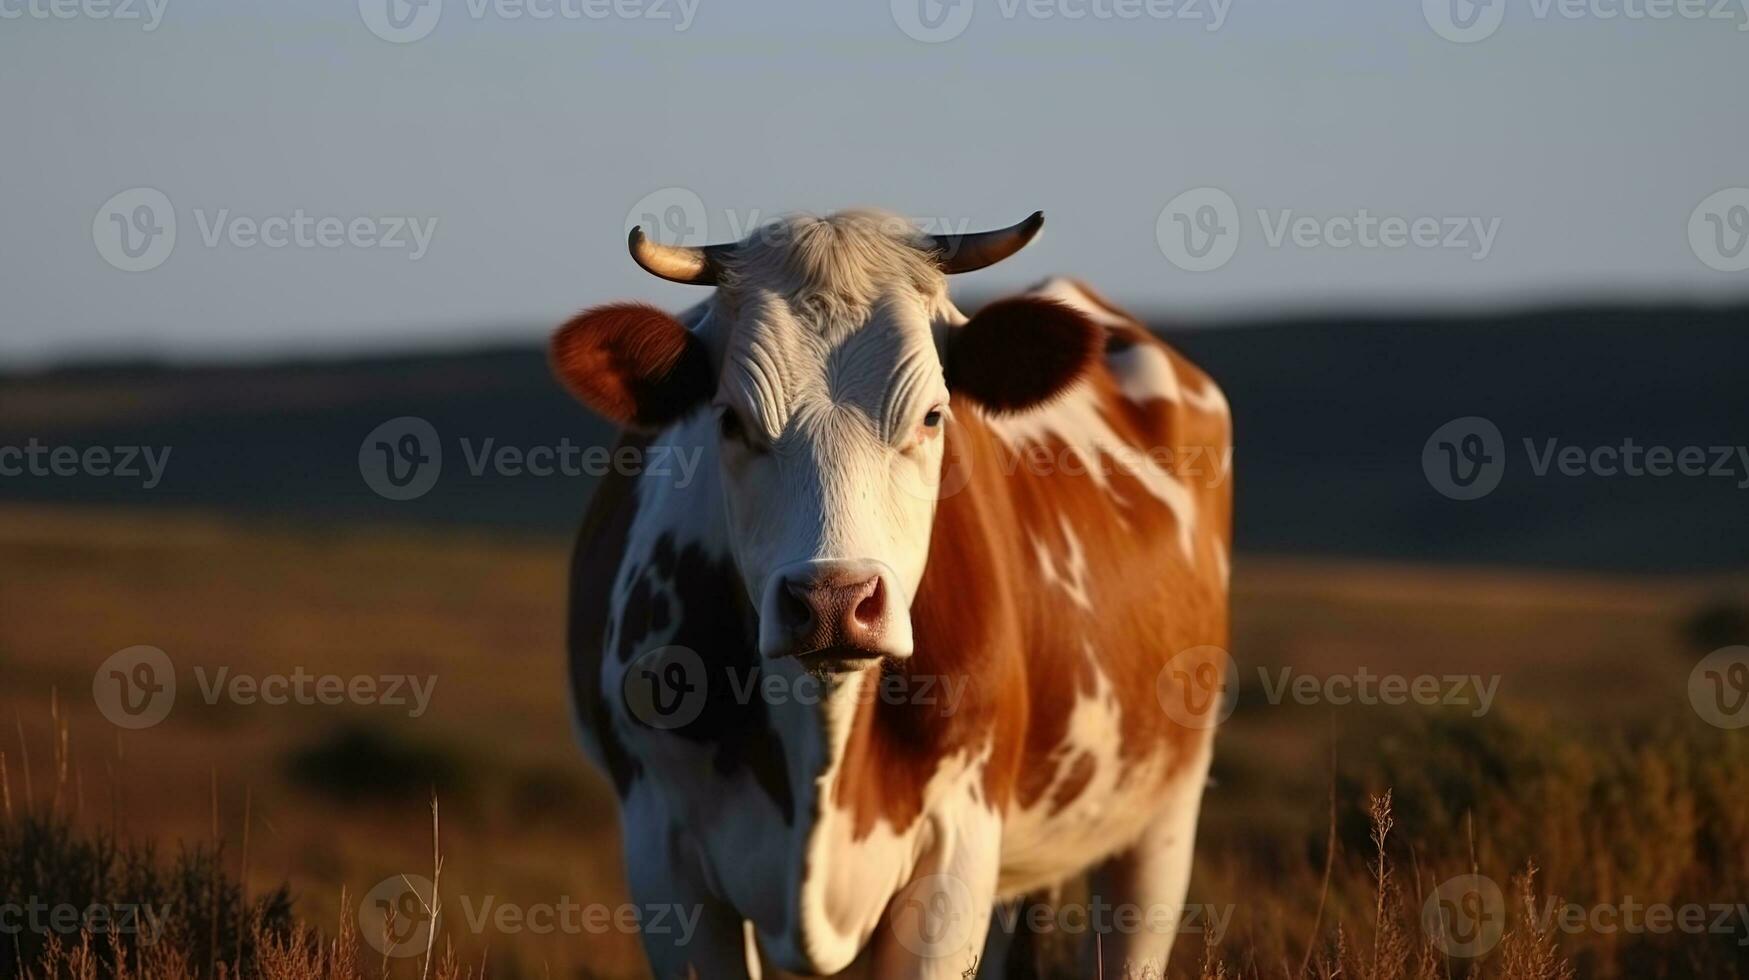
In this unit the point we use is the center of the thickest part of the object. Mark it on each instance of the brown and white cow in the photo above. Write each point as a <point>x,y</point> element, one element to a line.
<point>922,634</point>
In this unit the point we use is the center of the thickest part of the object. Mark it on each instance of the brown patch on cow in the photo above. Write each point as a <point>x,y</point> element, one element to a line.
<point>1017,353</point>
<point>1080,774</point>
<point>633,363</point>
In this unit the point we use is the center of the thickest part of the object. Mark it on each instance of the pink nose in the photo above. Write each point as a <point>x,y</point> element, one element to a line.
<point>828,609</point>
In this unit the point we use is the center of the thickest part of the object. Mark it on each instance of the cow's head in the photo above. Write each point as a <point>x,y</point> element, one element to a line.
<point>828,356</point>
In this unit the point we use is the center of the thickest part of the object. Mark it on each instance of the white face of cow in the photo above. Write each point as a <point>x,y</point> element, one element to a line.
<point>832,446</point>
<point>828,356</point>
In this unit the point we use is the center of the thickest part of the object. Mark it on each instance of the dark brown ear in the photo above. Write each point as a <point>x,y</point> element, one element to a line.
<point>1018,353</point>
<point>632,363</point>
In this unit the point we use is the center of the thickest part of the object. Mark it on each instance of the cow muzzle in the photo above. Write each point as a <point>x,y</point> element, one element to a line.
<point>834,615</point>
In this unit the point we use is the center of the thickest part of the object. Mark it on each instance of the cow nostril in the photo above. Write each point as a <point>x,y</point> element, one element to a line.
<point>873,606</point>
<point>795,607</point>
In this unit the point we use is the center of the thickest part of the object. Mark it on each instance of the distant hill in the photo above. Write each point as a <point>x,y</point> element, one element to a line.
<point>1332,415</point>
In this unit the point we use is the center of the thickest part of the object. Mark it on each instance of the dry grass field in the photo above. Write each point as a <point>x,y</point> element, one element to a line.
<point>1589,761</point>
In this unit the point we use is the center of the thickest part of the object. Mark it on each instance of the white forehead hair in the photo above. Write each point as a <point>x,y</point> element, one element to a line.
<point>833,271</point>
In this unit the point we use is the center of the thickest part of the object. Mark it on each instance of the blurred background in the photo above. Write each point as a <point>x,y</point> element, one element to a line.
<point>1474,277</point>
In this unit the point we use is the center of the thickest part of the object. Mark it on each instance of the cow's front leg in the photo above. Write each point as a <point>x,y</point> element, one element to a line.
<point>1140,891</point>
<point>686,930</point>
<point>935,927</point>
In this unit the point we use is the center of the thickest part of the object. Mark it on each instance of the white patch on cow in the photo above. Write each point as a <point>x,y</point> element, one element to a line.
<point>1076,420</point>
<point>1116,804</point>
<point>1144,373</point>
<point>1070,292</point>
<point>1072,577</point>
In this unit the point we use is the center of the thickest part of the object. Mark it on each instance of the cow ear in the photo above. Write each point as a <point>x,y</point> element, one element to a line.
<point>1018,353</point>
<point>632,363</point>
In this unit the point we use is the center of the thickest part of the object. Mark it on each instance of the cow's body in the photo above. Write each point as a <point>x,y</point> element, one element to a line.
<point>1077,548</point>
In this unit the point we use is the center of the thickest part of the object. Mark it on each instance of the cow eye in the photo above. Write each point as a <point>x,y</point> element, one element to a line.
<point>729,424</point>
<point>933,418</point>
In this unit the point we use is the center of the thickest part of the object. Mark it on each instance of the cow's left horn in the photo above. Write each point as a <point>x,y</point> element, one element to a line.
<point>975,250</point>
<point>678,263</point>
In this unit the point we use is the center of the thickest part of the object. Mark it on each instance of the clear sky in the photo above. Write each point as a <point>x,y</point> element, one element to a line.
<point>1559,151</point>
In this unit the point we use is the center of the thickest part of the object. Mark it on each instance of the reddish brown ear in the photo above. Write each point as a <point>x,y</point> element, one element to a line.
<point>632,363</point>
<point>1018,353</point>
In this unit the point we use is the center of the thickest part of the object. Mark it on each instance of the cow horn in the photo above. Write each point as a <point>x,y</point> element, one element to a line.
<point>975,250</point>
<point>696,266</point>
